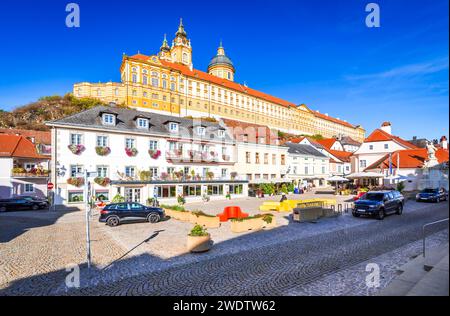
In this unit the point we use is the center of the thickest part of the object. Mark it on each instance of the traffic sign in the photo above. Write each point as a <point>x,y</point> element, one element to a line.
<point>50,186</point>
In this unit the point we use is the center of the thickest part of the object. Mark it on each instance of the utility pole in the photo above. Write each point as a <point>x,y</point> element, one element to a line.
<point>87,210</point>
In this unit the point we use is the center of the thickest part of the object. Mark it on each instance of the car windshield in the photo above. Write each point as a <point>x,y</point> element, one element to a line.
<point>373,196</point>
<point>429,191</point>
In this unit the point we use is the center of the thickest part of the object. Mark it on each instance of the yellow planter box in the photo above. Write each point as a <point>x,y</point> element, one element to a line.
<point>246,225</point>
<point>199,243</point>
<point>183,216</point>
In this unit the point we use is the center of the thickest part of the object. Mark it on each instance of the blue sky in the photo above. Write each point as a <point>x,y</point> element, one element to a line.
<point>315,52</point>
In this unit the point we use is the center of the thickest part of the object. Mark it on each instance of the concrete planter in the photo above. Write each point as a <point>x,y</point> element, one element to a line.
<point>307,214</point>
<point>183,216</point>
<point>247,224</point>
<point>205,221</point>
<point>199,243</point>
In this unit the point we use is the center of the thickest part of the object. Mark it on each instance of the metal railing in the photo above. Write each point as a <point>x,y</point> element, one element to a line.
<point>424,231</point>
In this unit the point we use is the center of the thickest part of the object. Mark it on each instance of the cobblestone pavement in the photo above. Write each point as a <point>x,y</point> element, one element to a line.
<point>297,259</point>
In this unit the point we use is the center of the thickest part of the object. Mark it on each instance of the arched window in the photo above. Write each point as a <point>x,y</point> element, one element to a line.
<point>116,91</point>
<point>144,79</point>
<point>99,92</point>
<point>185,58</point>
<point>134,78</point>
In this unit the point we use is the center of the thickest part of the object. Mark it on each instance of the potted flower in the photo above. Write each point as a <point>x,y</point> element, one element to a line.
<point>233,175</point>
<point>210,175</point>
<point>181,200</point>
<point>154,154</point>
<point>76,181</point>
<point>102,151</point>
<point>76,149</point>
<point>131,152</point>
<point>103,181</point>
<point>225,157</point>
<point>199,240</point>
<point>164,176</point>
<point>19,171</point>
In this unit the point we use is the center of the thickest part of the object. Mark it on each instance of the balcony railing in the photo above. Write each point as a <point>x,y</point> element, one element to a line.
<point>196,156</point>
<point>22,173</point>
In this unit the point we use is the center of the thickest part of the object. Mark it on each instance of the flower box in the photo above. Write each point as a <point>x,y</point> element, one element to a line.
<point>254,223</point>
<point>76,149</point>
<point>102,151</point>
<point>131,152</point>
<point>76,181</point>
<point>154,154</point>
<point>103,181</point>
<point>183,216</point>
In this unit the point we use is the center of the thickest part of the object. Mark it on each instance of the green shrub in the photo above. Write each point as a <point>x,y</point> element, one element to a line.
<point>173,207</point>
<point>400,186</point>
<point>198,231</point>
<point>118,199</point>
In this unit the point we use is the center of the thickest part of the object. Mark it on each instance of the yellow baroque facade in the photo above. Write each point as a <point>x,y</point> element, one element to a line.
<point>168,83</point>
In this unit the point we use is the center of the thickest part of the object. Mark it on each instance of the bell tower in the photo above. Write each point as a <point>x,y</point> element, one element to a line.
<point>181,51</point>
<point>164,51</point>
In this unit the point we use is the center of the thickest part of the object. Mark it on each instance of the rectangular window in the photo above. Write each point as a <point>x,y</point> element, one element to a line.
<point>224,173</point>
<point>75,196</point>
<point>370,147</point>
<point>256,157</point>
<point>75,170</point>
<point>386,146</point>
<point>306,170</point>
<point>102,171</point>
<point>129,142</point>
<point>274,159</point>
<point>173,127</point>
<point>362,163</point>
<point>215,189</point>
<point>75,139</point>
<point>102,141</point>
<point>153,145</point>
<point>153,172</point>
<point>142,123</point>
<point>108,119</point>
<point>201,131</point>
<point>283,160</point>
<point>247,157</point>
<point>102,196</point>
<point>130,171</point>
<point>155,82</point>
<point>221,133</point>
<point>29,188</point>
<point>266,159</point>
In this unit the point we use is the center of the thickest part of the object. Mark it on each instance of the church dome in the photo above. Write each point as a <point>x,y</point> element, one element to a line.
<point>221,60</point>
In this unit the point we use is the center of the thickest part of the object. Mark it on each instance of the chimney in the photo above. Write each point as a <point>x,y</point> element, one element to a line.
<point>444,143</point>
<point>414,137</point>
<point>386,126</point>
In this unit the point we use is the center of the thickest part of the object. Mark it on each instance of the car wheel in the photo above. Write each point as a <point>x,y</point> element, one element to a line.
<point>153,218</point>
<point>355,215</point>
<point>35,207</point>
<point>2,209</point>
<point>437,200</point>
<point>399,209</point>
<point>381,215</point>
<point>113,221</point>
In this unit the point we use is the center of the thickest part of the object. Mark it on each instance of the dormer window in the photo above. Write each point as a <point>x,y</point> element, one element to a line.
<point>108,119</point>
<point>142,122</point>
<point>173,127</point>
<point>221,133</point>
<point>201,130</point>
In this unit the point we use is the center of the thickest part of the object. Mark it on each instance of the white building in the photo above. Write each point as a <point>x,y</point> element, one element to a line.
<point>378,144</point>
<point>260,158</point>
<point>139,155</point>
<point>306,165</point>
<point>23,170</point>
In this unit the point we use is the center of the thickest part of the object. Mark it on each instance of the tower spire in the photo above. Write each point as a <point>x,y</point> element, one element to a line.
<point>220,49</point>
<point>165,44</point>
<point>181,31</point>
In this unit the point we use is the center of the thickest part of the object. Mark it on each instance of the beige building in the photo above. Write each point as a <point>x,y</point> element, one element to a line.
<point>168,83</point>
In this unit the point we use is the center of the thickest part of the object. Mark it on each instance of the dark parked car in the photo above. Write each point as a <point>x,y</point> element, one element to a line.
<point>21,203</point>
<point>117,213</point>
<point>379,204</point>
<point>42,201</point>
<point>433,195</point>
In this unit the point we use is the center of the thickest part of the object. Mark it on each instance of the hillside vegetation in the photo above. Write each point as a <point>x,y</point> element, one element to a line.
<point>34,115</point>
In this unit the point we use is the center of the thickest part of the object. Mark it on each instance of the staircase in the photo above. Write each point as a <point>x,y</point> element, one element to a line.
<point>422,276</point>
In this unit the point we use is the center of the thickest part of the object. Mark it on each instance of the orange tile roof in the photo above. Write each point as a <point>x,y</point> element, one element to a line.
<point>332,119</point>
<point>409,158</point>
<point>341,155</point>
<point>379,135</point>
<point>253,131</point>
<point>18,146</point>
<point>235,86</point>
<point>326,142</point>
<point>41,137</point>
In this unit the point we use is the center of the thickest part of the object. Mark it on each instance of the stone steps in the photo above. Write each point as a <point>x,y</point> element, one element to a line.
<point>422,276</point>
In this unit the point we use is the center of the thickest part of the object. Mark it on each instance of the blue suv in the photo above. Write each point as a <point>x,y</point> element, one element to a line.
<point>379,203</point>
<point>432,195</point>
